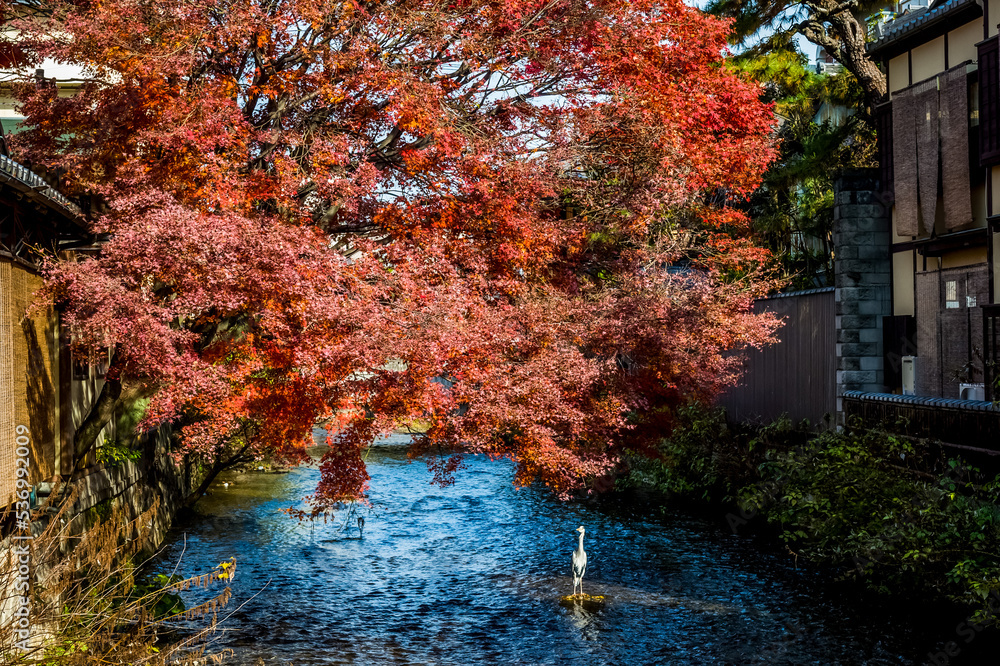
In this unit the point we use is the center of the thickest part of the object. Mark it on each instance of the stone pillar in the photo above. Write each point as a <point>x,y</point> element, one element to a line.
<point>862,270</point>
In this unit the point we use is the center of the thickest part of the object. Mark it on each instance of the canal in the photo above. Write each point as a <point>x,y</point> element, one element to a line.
<point>473,574</point>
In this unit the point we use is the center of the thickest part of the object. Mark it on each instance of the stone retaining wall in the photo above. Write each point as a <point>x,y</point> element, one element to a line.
<point>863,274</point>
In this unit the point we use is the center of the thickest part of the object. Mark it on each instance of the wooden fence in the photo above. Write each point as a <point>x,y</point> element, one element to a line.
<point>798,375</point>
<point>29,380</point>
<point>972,426</point>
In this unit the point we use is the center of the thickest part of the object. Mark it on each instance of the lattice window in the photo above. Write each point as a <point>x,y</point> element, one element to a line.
<point>7,424</point>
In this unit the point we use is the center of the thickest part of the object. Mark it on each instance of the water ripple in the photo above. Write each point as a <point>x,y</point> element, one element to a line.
<point>473,574</point>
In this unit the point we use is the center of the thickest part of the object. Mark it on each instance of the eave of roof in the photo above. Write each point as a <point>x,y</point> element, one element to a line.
<point>923,25</point>
<point>24,180</point>
<point>940,245</point>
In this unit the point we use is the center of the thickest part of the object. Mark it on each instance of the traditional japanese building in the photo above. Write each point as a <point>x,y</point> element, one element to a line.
<point>37,387</point>
<point>939,142</point>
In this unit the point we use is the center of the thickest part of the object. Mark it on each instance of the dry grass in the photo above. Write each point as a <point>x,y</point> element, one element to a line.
<point>85,605</point>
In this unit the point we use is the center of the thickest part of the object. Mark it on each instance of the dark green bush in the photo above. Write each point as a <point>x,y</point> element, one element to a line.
<point>856,500</point>
<point>874,505</point>
<point>704,458</point>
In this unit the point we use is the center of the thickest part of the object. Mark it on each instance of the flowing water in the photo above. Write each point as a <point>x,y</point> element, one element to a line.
<point>474,574</point>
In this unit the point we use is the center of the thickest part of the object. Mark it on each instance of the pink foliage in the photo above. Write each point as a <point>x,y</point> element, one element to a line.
<point>492,216</point>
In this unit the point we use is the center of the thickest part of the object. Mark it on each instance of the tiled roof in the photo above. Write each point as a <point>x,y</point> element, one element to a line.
<point>25,180</point>
<point>912,22</point>
<point>920,401</point>
<point>804,292</point>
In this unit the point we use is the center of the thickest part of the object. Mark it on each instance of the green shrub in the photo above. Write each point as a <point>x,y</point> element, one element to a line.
<point>702,457</point>
<point>859,502</point>
<point>872,504</point>
<point>129,416</point>
<point>112,453</point>
<point>686,463</point>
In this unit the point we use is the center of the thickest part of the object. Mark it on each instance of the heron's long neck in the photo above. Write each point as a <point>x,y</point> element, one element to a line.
<point>580,544</point>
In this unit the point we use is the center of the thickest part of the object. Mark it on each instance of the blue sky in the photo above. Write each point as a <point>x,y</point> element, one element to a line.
<point>807,47</point>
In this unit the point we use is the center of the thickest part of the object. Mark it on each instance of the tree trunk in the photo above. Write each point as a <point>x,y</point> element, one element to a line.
<point>844,36</point>
<point>854,52</point>
<point>218,467</point>
<point>102,411</point>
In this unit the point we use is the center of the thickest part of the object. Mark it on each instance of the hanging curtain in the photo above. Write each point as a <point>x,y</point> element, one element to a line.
<point>955,148</point>
<point>928,153</point>
<point>904,160</point>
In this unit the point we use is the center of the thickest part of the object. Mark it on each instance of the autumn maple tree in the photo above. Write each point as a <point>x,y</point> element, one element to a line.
<point>504,218</point>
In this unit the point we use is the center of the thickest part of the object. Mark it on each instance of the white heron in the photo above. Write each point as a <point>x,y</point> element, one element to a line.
<point>579,562</point>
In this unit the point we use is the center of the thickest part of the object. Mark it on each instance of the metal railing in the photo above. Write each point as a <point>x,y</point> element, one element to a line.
<point>35,182</point>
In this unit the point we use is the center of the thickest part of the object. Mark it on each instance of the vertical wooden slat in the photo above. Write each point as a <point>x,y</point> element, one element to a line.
<point>989,102</point>
<point>7,423</point>
<point>34,388</point>
<point>796,376</point>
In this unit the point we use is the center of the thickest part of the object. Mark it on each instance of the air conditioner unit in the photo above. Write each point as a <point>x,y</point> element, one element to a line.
<point>910,5</point>
<point>971,392</point>
<point>909,372</point>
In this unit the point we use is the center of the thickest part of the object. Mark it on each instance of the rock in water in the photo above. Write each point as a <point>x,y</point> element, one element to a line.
<point>589,602</point>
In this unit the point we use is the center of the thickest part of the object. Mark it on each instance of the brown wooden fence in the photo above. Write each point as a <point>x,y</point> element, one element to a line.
<point>798,375</point>
<point>29,381</point>
<point>971,425</point>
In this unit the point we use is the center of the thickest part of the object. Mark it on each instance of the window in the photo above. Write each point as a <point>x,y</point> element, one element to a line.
<point>951,294</point>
